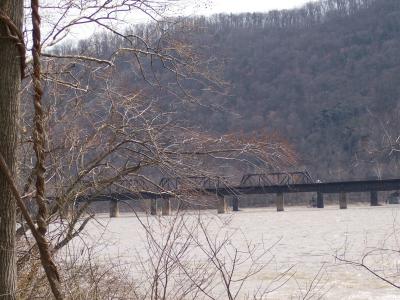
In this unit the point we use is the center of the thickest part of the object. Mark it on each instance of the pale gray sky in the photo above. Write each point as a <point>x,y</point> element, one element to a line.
<point>237,6</point>
<point>182,7</point>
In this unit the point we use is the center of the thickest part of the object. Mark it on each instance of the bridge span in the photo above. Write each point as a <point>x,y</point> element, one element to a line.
<point>271,183</point>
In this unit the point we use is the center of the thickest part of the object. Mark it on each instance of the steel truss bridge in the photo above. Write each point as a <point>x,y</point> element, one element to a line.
<point>278,183</point>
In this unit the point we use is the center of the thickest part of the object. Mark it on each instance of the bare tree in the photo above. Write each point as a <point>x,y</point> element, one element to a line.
<point>73,145</point>
<point>11,18</point>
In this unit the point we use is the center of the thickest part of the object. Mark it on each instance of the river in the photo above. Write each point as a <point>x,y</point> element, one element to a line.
<point>298,249</point>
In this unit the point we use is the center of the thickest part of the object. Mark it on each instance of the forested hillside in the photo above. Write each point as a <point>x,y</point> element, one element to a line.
<point>326,77</point>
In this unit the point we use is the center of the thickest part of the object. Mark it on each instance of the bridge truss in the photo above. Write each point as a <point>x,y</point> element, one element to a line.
<point>199,182</point>
<point>277,178</point>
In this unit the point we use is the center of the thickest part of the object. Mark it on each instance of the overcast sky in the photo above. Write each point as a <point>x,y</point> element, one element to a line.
<point>236,6</point>
<point>187,8</point>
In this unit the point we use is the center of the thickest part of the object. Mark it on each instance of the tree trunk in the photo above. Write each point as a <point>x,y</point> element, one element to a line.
<point>10,77</point>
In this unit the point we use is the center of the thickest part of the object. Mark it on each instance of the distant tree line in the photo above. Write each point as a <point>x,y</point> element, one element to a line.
<point>307,16</point>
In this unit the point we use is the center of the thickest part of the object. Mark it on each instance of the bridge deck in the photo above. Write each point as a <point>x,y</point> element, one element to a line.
<point>324,188</point>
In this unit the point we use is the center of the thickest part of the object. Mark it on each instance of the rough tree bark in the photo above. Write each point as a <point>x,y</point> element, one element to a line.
<point>10,77</point>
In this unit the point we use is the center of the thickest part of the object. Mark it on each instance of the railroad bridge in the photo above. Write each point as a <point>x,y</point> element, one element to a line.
<point>279,183</point>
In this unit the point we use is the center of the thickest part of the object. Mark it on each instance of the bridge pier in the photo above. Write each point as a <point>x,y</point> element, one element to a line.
<point>153,206</point>
<point>374,198</point>
<point>222,205</point>
<point>342,201</point>
<point>235,203</point>
<point>320,200</point>
<point>166,207</point>
<point>114,208</point>
<point>280,202</point>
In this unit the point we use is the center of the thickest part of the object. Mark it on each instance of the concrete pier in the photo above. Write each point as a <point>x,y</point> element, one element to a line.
<point>114,209</point>
<point>222,205</point>
<point>153,207</point>
<point>235,203</point>
<point>374,198</point>
<point>320,200</point>
<point>280,202</point>
<point>166,207</point>
<point>342,201</point>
